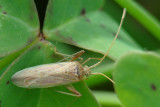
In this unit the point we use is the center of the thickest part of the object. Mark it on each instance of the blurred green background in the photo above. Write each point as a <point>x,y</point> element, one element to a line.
<point>91,25</point>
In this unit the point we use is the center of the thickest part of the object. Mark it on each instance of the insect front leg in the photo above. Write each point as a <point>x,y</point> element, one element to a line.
<point>77,56</point>
<point>62,54</point>
<point>70,57</point>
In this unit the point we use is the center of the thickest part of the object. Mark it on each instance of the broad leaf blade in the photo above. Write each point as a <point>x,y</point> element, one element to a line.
<point>39,54</point>
<point>137,80</point>
<point>61,12</point>
<point>18,25</point>
<point>93,29</point>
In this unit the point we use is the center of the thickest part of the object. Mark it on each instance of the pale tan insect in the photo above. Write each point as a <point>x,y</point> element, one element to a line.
<point>60,73</point>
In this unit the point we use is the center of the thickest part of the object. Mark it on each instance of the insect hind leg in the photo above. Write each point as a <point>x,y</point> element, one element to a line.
<point>74,93</point>
<point>73,90</point>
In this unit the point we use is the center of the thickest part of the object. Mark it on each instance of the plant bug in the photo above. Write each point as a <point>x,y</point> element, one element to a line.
<point>60,73</point>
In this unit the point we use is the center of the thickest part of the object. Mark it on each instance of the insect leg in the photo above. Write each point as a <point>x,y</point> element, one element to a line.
<point>90,59</point>
<point>67,93</point>
<point>62,54</point>
<point>73,90</point>
<point>81,59</point>
<point>77,56</point>
<point>72,57</point>
<point>74,93</point>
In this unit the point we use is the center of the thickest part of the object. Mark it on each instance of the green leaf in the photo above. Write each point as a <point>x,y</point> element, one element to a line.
<point>107,99</point>
<point>18,25</point>
<point>85,26</point>
<point>8,59</point>
<point>14,96</point>
<point>137,79</point>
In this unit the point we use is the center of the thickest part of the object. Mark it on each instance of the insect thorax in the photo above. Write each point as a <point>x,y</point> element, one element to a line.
<point>79,70</point>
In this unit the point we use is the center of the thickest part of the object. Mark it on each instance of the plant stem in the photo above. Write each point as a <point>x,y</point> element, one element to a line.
<point>144,17</point>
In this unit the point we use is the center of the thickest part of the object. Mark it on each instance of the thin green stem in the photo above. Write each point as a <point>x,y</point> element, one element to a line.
<point>142,15</point>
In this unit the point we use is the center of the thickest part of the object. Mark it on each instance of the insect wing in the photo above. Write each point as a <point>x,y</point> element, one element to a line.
<point>47,75</point>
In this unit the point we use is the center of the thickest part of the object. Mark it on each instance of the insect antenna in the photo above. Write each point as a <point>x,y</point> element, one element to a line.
<point>123,15</point>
